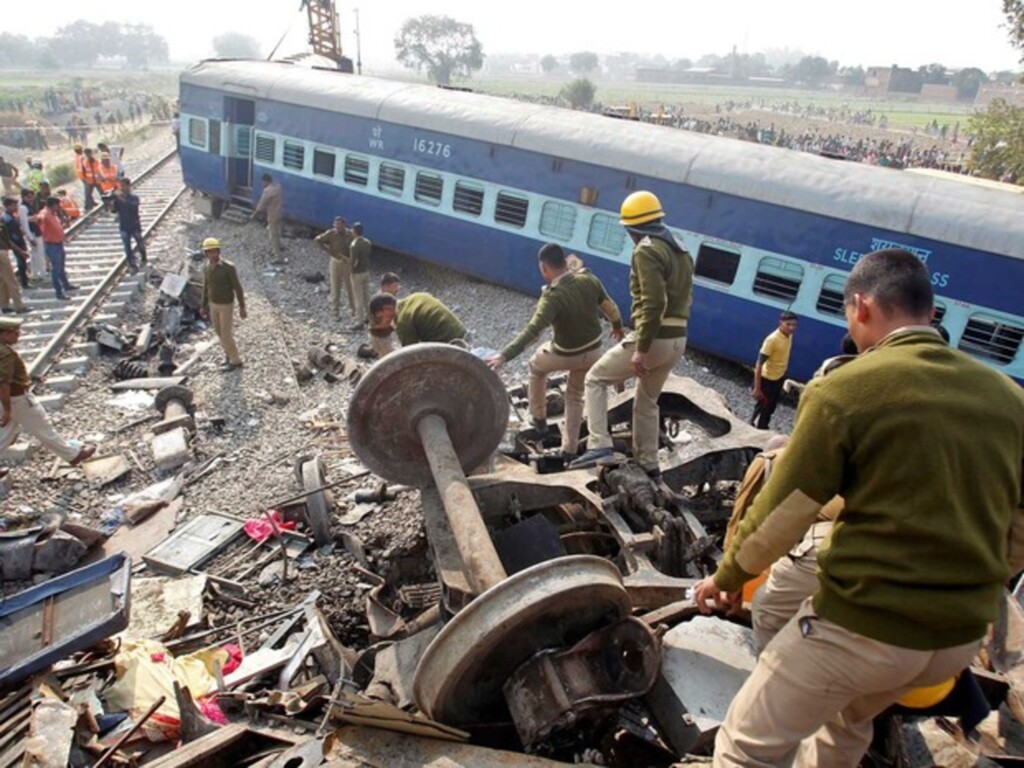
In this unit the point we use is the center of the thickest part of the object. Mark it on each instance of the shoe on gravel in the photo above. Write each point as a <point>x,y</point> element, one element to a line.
<point>84,453</point>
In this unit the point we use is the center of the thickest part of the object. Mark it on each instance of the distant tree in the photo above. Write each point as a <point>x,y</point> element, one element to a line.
<point>854,75</point>
<point>81,42</point>
<point>583,62</point>
<point>998,148</point>
<point>235,45</point>
<point>682,64</point>
<point>812,70</point>
<point>934,74</point>
<point>141,45</point>
<point>968,81</point>
<point>442,46</point>
<point>1005,77</point>
<point>17,51</point>
<point>548,64</point>
<point>1014,12</point>
<point>579,93</point>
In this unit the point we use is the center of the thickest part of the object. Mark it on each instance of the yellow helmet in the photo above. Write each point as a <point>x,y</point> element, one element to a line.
<point>211,243</point>
<point>928,695</point>
<point>640,208</point>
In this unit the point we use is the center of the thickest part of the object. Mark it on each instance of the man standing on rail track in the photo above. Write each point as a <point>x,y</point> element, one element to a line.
<point>19,243</point>
<point>221,288</point>
<point>926,447</point>
<point>568,303</point>
<point>271,205</point>
<point>85,170</point>
<point>360,258</point>
<point>336,243</point>
<point>53,240</point>
<point>126,205</point>
<point>19,409</point>
<point>10,291</point>
<point>661,283</point>
<point>770,369</point>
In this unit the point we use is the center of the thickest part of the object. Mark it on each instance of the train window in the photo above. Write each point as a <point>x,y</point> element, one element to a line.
<point>294,156</point>
<point>429,187</point>
<point>197,132</point>
<point>557,220</point>
<point>266,149</point>
<point>940,312</point>
<point>778,278</point>
<point>391,179</point>
<point>606,234</point>
<point>830,300</point>
<point>717,264</point>
<point>991,338</point>
<point>511,209</point>
<point>469,198</point>
<point>357,170</point>
<point>323,163</point>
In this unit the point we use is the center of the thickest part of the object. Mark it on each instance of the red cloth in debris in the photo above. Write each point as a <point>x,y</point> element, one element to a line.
<point>259,528</point>
<point>236,658</point>
<point>212,710</point>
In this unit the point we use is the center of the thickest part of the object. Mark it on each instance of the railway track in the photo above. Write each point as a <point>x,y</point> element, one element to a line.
<point>97,265</point>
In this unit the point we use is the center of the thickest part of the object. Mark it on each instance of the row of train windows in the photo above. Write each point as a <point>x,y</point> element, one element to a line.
<point>557,219</point>
<point>779,279</point>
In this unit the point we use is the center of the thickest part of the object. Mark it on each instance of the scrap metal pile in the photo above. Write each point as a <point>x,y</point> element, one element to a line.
<point>556,625</point>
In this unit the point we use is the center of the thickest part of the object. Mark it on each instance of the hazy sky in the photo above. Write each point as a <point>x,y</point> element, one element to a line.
<point>869,32</point>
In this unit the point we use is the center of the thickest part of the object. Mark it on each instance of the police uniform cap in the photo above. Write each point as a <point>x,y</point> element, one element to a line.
<point>10,323</point>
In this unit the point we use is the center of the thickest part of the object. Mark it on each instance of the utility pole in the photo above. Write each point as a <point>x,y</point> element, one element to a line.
<point>359,47</point>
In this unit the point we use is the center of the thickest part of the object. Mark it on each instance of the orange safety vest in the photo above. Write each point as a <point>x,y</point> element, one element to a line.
<point>70,207</point>
<point>88,174</point>
<point>80,167</point>
<point>106,177</point>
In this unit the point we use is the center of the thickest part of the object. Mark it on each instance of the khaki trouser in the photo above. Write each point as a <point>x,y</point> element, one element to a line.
<point>816,688</point>
<point>222,316</point>
<point>361,296</point>
<point>341,279</point>
<point>613,368</point>
<point>10,291</point>
<point>792,579</point>
<point>28,415</point>
<point>545,361</point>
<point>382,345</point>
<point>274,233</point>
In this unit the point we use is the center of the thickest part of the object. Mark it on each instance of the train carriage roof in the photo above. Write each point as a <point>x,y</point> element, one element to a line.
<point>936,208</point>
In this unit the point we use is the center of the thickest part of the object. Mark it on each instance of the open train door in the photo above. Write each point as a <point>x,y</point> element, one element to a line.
<point>240,115</point>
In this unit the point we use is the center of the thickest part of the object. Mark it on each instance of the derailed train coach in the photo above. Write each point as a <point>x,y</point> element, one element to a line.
<point>478,183</point>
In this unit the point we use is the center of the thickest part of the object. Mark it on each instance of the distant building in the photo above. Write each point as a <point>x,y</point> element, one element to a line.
<point>1012,94</point>
<point>939,93</point>
<point>893,80</point>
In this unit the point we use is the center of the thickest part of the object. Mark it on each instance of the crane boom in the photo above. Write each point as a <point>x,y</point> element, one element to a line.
<point>324,35</point>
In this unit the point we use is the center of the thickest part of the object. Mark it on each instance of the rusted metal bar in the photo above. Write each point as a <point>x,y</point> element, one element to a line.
<point>109,754</point>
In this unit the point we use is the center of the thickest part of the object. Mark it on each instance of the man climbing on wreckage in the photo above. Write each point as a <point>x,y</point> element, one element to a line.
<point>926,446</point>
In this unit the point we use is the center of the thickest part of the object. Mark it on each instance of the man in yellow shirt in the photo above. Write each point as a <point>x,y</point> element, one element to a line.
<point>770,371</point>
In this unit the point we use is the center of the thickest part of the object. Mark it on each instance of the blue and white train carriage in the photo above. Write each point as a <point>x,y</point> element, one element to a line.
<point>479,183</point>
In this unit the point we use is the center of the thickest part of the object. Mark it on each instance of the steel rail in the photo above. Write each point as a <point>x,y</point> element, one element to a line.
<point>43,361</point>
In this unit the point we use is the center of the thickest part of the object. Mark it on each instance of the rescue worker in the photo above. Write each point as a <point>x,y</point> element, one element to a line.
<point>918,558</point>
<point>68,205</point>
<point>360,258</point>
<point>419,317</point>
<point>126,205</point>
<point>53,242</point>
<point>28,218</point>
<point>221,289</point>
<point>661,284</point>
<point>336,242</point>
<point>106,176</point>
<point>271,205</point>
<point>770,369</point>
<point>569,304</point>
<point>19,409</point>
<point>19,243</point>
<point>85,171</point>
<point>35,176</point>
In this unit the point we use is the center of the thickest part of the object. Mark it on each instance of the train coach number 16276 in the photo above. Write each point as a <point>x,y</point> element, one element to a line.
<point>435,148</point>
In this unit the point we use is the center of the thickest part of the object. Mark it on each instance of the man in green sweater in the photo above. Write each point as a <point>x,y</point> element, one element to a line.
<point>417,318</point>
<point>568,303</point>
<point>926,446</point>
<point>661,284</point>
<point>360,263</point>
<point>221,288</point>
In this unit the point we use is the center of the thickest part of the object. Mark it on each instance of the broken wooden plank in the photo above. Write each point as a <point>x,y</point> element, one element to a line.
<point>192,544</point>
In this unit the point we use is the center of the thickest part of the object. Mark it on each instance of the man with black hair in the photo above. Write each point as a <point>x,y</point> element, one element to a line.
<point>390,283</point>
<point>126,205</point>
<point>360,251</point>
<point>661,284</point>
<point>926,447</point>
<point>770,369</point>
<point>569,304</point>
<point>271,205</point>
<point>419,317</point>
